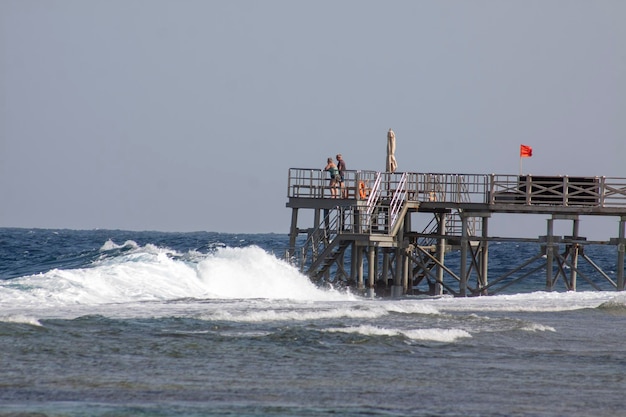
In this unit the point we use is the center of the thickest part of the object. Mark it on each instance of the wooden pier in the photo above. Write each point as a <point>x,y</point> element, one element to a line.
<point>403,225</point>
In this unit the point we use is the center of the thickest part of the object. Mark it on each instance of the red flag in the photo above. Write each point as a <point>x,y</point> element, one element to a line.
<point>525,151</point>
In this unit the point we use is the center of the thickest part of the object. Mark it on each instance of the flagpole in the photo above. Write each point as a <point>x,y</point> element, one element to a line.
<point>520,165</point>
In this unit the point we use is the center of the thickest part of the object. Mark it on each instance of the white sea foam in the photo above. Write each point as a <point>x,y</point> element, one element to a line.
<point>110,245</point>
<point>292,314</point>
<point>253,273</point>
<point>617,303</point>
<point>150,273</point>
<point>267,310</point>
<point>19,318</point>
<point>536,327</point>
<point>410,307</point>
<point>433,334</point>
<point>530,302</point>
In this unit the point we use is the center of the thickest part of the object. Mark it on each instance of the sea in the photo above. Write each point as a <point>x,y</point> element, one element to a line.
<point>123,323</point>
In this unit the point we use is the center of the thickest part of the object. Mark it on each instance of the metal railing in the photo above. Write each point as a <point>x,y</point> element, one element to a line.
<point>567,191</point>
<point>373,194</point>
<point>373,203</point>
<point>452,188</point>
<point>319,237</point>
<point>397,201</point>
<point>315,183</point>
<point>613,192</point>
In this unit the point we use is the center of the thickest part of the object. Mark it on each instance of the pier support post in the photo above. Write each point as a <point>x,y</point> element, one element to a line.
<point>549,254</point>
<point>385,275</point>
<point>405,271</point>
<point>353,261</point>
<point>484,260</point>
<point>371,271</point>
<point>464,243</point>
<point>396,288</point>
<point>376,268</point>
<point>359,282</point>
<point>621,249</point>
<point>404,259</point>
<point>293,232</point>
<point>574,249</point>
<point>441,250</point>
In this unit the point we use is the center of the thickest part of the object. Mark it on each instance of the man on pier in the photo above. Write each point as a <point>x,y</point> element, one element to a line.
<point>341,165</point>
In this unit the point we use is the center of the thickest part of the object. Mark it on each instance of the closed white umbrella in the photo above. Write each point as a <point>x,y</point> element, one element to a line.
<point>392,164</point>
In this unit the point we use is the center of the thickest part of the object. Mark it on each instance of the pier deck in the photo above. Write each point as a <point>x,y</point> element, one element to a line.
<point>376,220</point>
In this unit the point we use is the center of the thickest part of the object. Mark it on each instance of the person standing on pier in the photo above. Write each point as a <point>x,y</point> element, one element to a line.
<point>334,177</point>
<point>341,166</point>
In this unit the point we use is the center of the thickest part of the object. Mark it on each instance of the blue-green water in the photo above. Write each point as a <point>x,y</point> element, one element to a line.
<point>111,323</point>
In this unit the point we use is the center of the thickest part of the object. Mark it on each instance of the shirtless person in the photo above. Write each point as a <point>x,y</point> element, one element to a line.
<point>341,166</point>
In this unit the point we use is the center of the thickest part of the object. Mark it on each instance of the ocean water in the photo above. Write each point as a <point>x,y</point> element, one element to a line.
<point>115,323</point>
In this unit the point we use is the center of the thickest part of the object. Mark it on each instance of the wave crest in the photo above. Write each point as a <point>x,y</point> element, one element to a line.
<point>433,334</point>
<point>150,273</point>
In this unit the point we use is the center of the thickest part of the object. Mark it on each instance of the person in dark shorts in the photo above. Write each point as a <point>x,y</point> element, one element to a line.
<point>341,166</point>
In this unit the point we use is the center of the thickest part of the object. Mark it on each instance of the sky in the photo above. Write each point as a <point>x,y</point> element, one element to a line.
<point>187,115</point>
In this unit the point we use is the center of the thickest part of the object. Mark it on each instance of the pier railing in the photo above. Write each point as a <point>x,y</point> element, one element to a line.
<point>613,192</point>
<point>491,189</point>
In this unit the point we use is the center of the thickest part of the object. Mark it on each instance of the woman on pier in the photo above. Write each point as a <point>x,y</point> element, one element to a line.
<point>334,177</point>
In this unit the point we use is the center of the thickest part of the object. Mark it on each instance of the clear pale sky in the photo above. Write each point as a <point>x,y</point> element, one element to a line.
<point>186,115</point>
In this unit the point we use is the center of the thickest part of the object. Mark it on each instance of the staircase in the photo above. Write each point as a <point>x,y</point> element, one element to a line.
<point>379,215</point>
<point>327,258</point>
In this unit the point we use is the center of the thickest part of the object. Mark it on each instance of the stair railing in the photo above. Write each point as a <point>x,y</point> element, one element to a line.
<point>321,236</point>
<point>373,200</point>
<point>397,201</point>
<point>374,196</point>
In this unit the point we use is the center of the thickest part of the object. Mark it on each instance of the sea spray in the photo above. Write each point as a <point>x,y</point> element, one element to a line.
<point>251,272</point>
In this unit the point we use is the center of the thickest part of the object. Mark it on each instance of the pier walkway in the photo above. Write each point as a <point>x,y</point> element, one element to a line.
<point>403,225</point>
